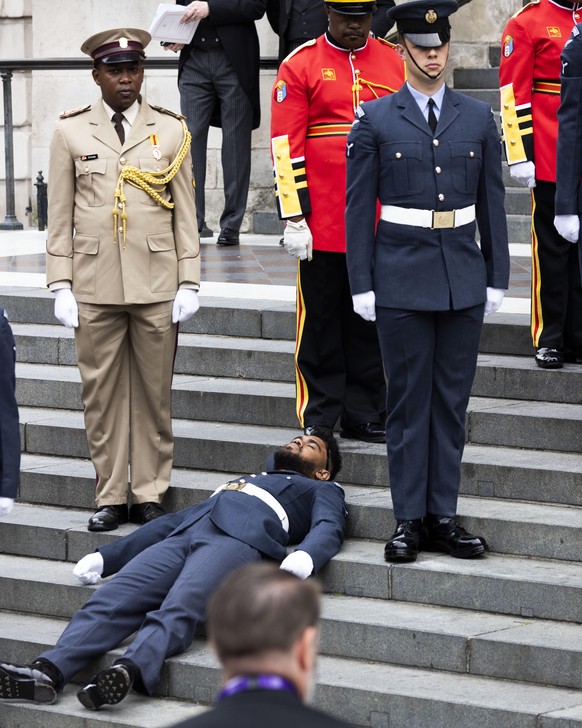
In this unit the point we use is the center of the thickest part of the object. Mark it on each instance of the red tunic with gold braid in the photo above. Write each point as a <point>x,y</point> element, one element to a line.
<point>317,90</point>
<point>529,80</point>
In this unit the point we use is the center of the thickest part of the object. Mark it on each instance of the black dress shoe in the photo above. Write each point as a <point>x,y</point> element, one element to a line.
<point>310,429</point>
<point>367,432</point>
<point>405,543</point>
<point>107,687</point>
<point>145,512</point>
<point>443,533</point>
<point>548,358</point>
<point>205,231</point>
<point>39,682</point>
<point>107,518</point>
<point>228,237</point>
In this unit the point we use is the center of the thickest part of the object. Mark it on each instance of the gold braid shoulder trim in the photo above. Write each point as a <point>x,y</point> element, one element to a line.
<point>152,183</point>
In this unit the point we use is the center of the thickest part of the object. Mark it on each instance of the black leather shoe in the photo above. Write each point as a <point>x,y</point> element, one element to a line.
<point>367,432</point>
<point>205,231</point>
<point>39,682</point>
<point>443,533</point>
<point>228,237</point>
<point>107,518</point>
<point>107,687</point>
<point>547,358</point>
<point>309,430</point>
<point>145,512</point>
<point>405,543</point>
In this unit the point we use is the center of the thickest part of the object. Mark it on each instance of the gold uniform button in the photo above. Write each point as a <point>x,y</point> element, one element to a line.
<point>506,106</point>
<point>512,142</point>
<point>122,160</point>
<point>435,142</point>
<point>120,229</point>
<point>120,206</point>
<point>86,169</point>
<point>281,176</point>
<point>398,155</point>
<point>510,124</point>
<point>441,197</point>
<point>471,154</point>
<point>438,170</point>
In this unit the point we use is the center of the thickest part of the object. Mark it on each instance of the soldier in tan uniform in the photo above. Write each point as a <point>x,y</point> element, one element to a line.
<point>123,261</point>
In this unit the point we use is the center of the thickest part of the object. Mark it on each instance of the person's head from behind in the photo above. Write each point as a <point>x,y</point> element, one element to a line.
<point>264,620</point>
<point>315,455</point>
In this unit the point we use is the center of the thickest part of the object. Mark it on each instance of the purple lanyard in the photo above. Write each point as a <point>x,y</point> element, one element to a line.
<point>256,682</point>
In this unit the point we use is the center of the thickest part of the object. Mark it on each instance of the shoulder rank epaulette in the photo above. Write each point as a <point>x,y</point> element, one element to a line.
<point>525,7</point>
<point>386,42</point>
<point>300,48</point>
<point>162,110</point>
<point>74,112</point>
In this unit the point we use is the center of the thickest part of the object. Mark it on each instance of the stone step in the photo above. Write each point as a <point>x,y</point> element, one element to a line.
<point>519,229</point>
<point>489,95</point>
<point>478,78</point>
<point>491,420</point>
<point>204,390</point>
<point>518,201</point>
<point>415,635</point>
<point>223,316</point>
<point>361,692</point>
<point>251,357</point>
<point>504,583</point>
<point>539,530</point>
<point>501,472</point>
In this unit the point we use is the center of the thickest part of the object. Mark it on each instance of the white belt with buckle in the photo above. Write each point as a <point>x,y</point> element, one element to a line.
<point>264,495</point>
<point>434,219</point>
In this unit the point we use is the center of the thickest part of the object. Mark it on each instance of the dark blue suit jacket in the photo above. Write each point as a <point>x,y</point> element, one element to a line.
<point>569,153</point>
<point>393,157</point>
<point>9,426</point>
<point>315,508</point>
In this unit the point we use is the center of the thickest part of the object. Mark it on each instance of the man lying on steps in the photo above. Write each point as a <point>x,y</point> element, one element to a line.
<point>166,571</point>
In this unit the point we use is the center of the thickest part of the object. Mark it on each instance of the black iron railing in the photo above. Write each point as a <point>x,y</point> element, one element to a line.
<point>7,69</point>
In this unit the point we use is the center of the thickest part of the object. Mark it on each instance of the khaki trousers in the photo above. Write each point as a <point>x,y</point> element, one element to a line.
<point>126,358</point>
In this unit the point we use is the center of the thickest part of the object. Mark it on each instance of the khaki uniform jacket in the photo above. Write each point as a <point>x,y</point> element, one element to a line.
<point>84,246</point>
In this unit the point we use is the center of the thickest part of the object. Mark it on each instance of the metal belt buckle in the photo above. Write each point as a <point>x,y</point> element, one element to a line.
<point>443,219</point>
<point>235,485</point>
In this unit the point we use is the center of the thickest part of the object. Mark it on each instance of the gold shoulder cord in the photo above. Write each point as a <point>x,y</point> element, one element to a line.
<point>146,181</point>
<point>361,82</point>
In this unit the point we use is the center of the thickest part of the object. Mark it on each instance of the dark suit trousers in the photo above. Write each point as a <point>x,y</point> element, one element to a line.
<point>208,78</point>
<point>556,300</point>
<point>161,593</point>
<point>338,363</point>
<point>9,427</point>
<point>430,359</point>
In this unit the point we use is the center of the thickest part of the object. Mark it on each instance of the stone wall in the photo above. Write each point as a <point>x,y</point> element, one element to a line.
<point>56,29</point>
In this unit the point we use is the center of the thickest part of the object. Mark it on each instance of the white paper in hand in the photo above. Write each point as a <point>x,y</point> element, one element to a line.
<point>166,25</point>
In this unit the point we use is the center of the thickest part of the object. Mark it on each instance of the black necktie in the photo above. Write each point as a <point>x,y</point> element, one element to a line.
<point>432,120</point>
<point>117,120</point>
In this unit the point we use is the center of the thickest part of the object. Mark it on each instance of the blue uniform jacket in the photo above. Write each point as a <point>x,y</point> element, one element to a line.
<point>315,508</point>
<point>569,152</point>
<point>393,157</point>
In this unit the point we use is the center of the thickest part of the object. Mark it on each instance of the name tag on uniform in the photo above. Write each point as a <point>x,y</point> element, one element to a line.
<point>88,157</point>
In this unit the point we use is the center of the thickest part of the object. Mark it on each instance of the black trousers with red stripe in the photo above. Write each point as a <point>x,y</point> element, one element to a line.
<point>556,299</point>
<point>339,370</point>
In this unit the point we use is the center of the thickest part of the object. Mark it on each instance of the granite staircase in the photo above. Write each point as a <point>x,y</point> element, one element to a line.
<point>440,643</point>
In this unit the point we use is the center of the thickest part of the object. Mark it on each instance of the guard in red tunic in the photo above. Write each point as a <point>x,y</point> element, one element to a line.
<point>529,78</point>
<point>318,88</point>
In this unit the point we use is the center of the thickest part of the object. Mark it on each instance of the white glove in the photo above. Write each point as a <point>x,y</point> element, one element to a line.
<point>66,309</point>
<point>6,505</point>
<point>185,305</point>
<point>89,569</point>
<point>365,305</point>
<point>494,300</point>
<point>298,240</point>
<point>524,173</point>
<point>299,563</point>
<point>568,226</point>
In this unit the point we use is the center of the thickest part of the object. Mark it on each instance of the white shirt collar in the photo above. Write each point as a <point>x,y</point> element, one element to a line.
<point>129,114</point>
<point>422,99</point>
